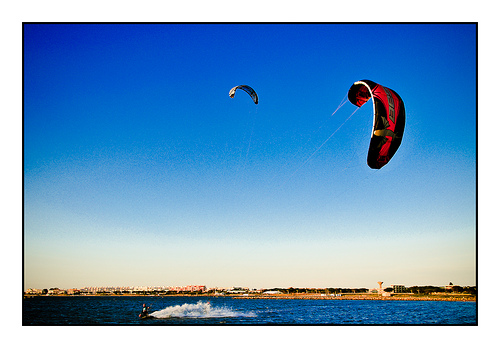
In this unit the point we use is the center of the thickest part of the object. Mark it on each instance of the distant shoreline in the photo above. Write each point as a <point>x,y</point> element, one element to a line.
<point>362,297</point>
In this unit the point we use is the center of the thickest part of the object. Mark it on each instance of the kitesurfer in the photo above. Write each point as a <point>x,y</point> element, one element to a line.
<point>145,310</point>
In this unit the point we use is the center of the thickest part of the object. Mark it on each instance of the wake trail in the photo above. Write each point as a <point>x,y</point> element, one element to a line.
<point>199,310</point>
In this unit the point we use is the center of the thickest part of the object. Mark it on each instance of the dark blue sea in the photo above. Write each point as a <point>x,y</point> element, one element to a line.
<point>118,310</point>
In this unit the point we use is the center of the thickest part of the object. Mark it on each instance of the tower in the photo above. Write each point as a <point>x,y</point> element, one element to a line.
<point>380,285</point>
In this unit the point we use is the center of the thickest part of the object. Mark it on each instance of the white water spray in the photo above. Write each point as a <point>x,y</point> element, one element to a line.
<point>199,310</point>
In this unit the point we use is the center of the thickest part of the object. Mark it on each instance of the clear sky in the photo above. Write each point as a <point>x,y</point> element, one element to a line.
<point>140,170</point>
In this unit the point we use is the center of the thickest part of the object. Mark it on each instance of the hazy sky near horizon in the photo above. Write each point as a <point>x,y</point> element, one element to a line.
<point>140,170</point>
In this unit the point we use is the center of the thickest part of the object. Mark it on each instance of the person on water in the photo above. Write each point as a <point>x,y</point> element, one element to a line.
<point>144,310</point>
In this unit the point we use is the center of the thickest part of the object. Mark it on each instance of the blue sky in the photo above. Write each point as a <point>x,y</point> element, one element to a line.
<point>140,170</point>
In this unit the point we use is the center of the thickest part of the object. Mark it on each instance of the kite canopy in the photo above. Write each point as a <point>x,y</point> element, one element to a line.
<point>247,89</point>
<point>388,120</point>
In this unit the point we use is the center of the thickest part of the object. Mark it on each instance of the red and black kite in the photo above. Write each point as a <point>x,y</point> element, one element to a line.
<point>388,120</point>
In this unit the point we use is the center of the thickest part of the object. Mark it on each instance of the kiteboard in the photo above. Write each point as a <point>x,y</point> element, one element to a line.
<point>144,316</point>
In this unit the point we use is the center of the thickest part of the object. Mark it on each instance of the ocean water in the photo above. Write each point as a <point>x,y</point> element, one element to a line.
<point>118,310</point>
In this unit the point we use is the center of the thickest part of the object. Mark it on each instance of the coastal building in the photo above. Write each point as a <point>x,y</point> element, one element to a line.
<point>55,291</point>
<point>399,289</point>
<point>33,292</point>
